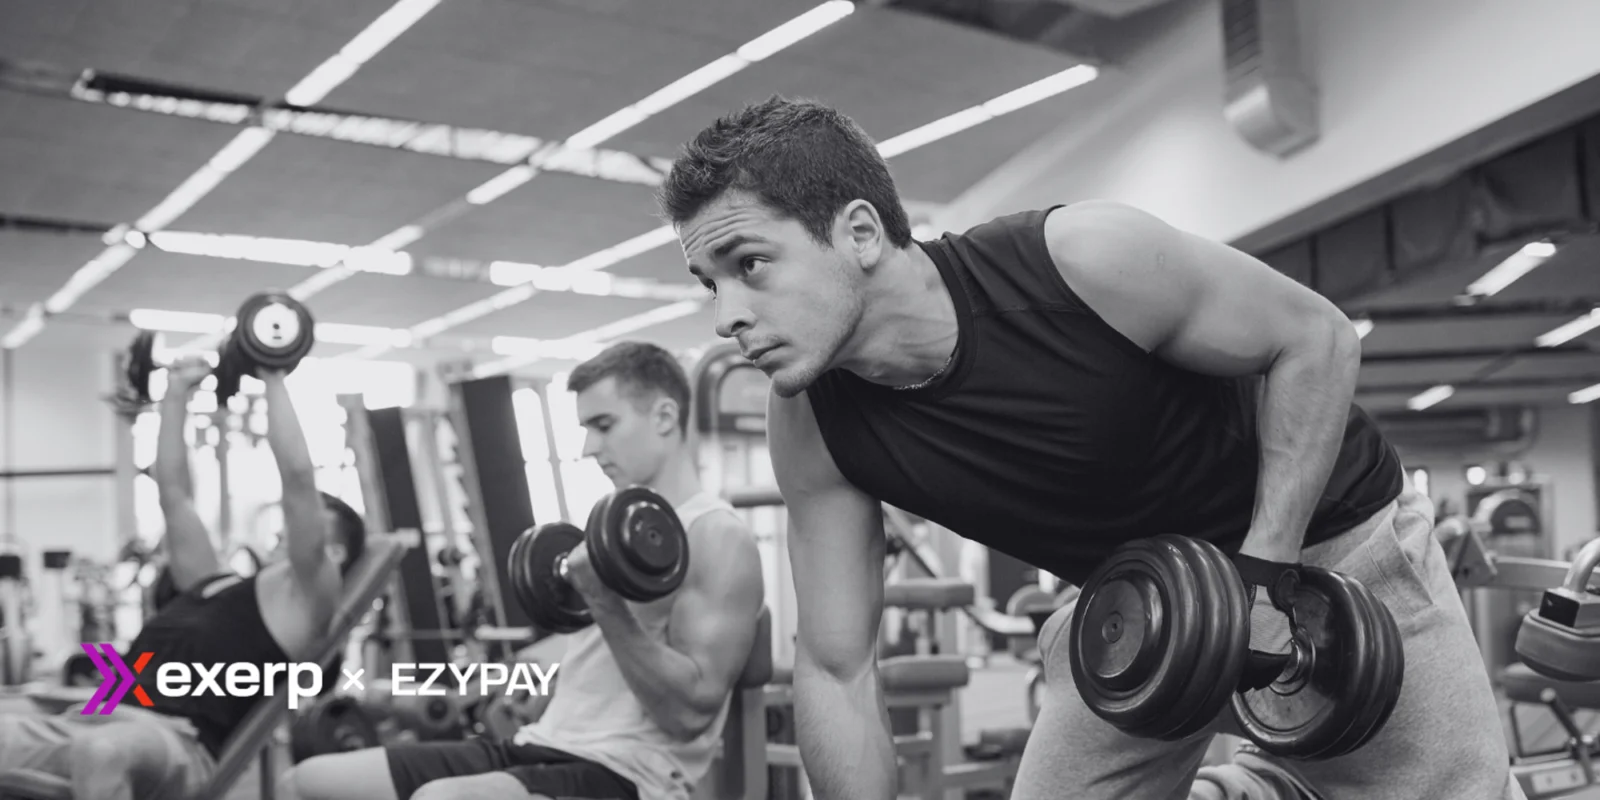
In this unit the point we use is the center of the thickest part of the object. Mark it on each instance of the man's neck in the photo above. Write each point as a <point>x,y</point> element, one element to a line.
<point>678,480</point>
<point>909,327</point>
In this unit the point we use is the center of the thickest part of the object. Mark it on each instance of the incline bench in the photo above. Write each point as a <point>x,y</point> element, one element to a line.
<point>367,581</point>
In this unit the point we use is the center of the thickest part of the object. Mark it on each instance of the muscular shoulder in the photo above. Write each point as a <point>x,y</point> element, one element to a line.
<point>1096,237</point>
<point>1122,262</point>
<point>722,550</point>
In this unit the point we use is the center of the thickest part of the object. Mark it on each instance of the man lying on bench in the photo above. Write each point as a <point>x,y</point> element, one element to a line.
<point>277,616</point>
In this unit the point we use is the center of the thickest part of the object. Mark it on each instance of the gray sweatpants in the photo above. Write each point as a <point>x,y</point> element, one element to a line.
<point>1444,740</point>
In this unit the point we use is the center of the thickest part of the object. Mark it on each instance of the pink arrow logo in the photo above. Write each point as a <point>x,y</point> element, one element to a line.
<point>118,678</point>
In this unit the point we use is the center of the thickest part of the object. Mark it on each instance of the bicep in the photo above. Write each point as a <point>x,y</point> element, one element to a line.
<point>714,620</point>
<point>835,543</point>
<point>1197,303</point>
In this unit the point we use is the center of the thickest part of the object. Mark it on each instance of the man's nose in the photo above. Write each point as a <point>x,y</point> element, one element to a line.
<point>733,317</point>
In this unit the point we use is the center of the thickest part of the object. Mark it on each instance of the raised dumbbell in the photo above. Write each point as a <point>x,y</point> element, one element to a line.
<point>272,330</point>
<point>1159,645</point>
<point>1561,638</point>
<point>636,542</point>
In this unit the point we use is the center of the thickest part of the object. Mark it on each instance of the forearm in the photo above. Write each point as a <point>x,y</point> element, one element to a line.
<point>171,468</point>
<point>302,505</point>
<point>669,684</point>
<point>288,442</point>
<point>1302,418</point>
<point>842,727</point>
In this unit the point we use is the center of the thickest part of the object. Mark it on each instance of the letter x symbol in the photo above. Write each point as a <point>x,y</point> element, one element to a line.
<point>352,679</point>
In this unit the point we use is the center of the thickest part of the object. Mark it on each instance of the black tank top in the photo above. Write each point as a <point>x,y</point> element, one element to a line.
<point>1053,438</point>
<point>218,621</point>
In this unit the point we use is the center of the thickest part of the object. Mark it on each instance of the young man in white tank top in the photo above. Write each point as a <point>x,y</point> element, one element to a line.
<point>641,696</point>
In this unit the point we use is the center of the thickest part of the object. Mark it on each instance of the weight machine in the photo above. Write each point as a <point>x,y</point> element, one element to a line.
<point>1570,767</point>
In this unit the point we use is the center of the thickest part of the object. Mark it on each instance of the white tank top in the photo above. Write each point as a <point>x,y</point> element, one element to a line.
<point>594,715</point>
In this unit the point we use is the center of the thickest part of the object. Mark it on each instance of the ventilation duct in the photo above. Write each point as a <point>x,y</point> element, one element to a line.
<point>1459,428</point>
<point>1271,98</point>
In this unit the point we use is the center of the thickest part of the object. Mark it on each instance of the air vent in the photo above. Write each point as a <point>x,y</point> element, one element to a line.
<point>1458,428</point>
<point>1271,98</point>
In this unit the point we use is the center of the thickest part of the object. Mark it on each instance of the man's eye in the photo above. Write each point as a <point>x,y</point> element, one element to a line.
<point>749,264</point>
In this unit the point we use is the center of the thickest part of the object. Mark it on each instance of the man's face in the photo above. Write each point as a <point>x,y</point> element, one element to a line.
<point>628,437</point>
<point>791,302</point>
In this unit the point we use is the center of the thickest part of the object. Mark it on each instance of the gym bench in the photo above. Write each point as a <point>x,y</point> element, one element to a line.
<point>253,738</point>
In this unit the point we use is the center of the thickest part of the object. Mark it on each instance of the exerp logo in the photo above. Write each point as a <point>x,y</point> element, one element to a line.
<point>176,679</point>
<point>196,680</point>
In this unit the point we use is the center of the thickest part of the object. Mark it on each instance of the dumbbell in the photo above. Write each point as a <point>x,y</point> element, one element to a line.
<point>336,724</point>
<point>1159,645</point>
<point>636,542</point>
<point>272,330</point>
<point>1561,638</point>
<point>428,717</point>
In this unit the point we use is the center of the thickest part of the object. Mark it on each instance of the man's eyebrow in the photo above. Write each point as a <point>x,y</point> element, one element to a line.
<point>596,419</point>
<point>727,246</point>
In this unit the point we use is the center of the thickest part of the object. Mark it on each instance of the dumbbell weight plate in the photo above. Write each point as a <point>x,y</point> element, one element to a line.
<point>141,363</point>
<point>551,602</point>
<point>337,725</point>
<point>1159,637</point>
<point>274,330</point>
<point>638,544</point>
<point>1347,685</point>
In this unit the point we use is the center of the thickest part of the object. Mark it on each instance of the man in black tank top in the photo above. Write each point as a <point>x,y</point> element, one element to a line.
<point>1054,384</point>
<point>275,616</point>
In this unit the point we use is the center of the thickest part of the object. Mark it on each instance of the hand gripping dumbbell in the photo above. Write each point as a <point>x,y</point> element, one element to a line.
<point>1160,644</point>
<point>272,330</point>
<point>636,543</point>
<point>1561,638</point>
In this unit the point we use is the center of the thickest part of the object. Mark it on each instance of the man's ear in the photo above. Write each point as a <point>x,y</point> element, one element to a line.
<point>864,236</point>
<point>664,416</point>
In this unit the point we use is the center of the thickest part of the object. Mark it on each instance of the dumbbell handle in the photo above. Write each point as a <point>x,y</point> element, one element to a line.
<point>1583,568</point>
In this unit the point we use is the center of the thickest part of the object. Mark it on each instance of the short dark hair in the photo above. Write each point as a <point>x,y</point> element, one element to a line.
<point>800,157</point>
<point>642,370</point>
<point>350,529</point>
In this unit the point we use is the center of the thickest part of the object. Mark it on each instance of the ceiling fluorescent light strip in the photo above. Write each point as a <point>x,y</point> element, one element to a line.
<point>380,33</point>
<point>233,155</point>
<point>1507,272</point>
<point>529,351</point>
<point>976,115</point>
<point>917,137</point>
<point>30,325</point>
<point>1587,394</point>
<point>1570,330</point>
<point>589,138</point>
<point>1430,398</point>
<point>447,141</point>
